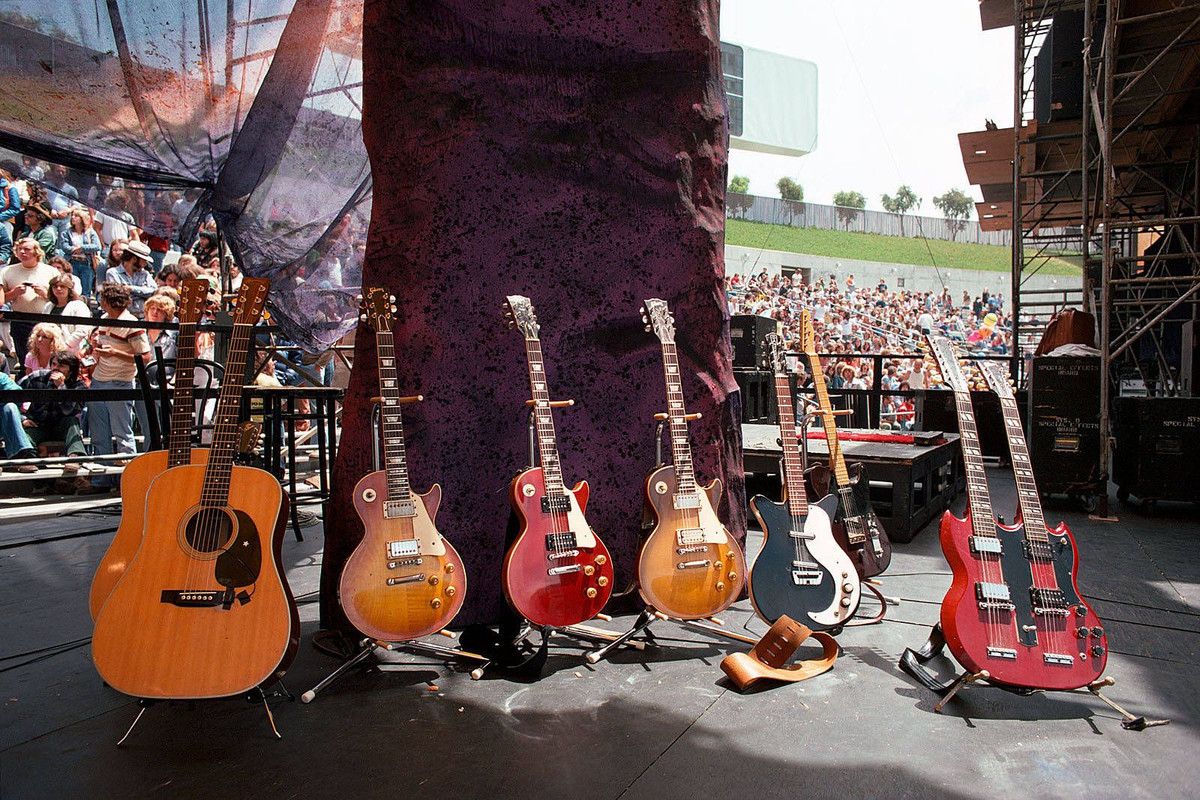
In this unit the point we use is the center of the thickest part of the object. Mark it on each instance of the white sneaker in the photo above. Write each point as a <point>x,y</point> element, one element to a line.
<point>91,466</point>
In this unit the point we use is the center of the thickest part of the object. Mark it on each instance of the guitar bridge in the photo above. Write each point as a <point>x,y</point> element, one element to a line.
<point>854,529</point>
<point>405,579</point>
<point>692,564</point>
<point>567,554</point>
<point>806,577</point>
<point>1057,658</point>
<point>564,570</point>
<point>1002,652</point>
<point>405,562</point>
<point>206,599</point>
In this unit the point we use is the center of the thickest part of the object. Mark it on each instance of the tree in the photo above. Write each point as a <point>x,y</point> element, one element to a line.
<point>850,204</point>
<point>956,206</point>
<point>737,199</point>
<point>793,197</point>
<point>904,201</point>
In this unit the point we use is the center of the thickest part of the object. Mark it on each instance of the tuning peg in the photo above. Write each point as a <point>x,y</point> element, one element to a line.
<point>648,329</point>
<point>392,297</point>
<point>359,298</point>
<point>393,307</point>
<point>362,317</point>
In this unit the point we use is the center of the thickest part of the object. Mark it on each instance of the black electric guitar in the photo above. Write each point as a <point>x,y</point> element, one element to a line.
<point>800,571</point>
<point>856,527</point>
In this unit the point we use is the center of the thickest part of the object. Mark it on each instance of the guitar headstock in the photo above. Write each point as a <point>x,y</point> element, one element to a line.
<point>775,356</point>
<point>377,308</point>
<point>997,379</point>
<point>251,300</point>
<point>945,367</point>
<point>808,338</point>
<point>657,316</point>
<point>519,311</point>
<point>193,295</point>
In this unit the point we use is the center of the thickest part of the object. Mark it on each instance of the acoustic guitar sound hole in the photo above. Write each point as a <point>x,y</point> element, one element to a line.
<point>207,532</point>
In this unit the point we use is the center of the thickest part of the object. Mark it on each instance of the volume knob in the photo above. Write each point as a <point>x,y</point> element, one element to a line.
<point>733,576</point>
<point>846,602</point>
<point>449,568</point>
<point>591,592</point>
<point>1097,650</point>
<point>435,603</point>
<point>589,570</point>
<point>1082,632</point>
<point>847,587</point>
<point>602,581</point>
<point>601,559</point>
<point>1097,631</point>
<point>434,580</point>
<point>720,586</point>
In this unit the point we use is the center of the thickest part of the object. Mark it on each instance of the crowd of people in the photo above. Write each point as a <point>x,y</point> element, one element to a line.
<point>851,323</point>
<point>80,256</point>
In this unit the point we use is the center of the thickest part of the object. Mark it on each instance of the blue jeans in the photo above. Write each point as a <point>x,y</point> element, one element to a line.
<point>13,432</point>
<point>109,420</point>
<point>86,274</point>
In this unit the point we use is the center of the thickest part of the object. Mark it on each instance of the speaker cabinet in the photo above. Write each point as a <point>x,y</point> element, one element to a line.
<point>1058,70</point>
<point>1157,442</point>
<point>746,333</point>
<point>1064,436</point>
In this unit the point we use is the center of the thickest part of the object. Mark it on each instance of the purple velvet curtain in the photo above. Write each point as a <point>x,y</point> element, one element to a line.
<point>575,153</point>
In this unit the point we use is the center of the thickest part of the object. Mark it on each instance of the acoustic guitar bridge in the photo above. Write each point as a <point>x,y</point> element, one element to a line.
<point>206,599</point>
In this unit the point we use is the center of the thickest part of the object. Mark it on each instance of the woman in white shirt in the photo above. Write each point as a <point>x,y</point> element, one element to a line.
<point>65,300</point>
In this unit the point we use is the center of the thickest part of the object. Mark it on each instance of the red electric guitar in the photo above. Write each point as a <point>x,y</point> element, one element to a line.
<point>557,572</point>
<point>1013,608</point>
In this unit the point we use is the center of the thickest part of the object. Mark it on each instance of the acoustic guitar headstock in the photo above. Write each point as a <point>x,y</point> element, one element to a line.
<point>518,309</point>
<point>193,294</point>
<point>251,300</point>
<point>657,317</point>
<point>378,308</point>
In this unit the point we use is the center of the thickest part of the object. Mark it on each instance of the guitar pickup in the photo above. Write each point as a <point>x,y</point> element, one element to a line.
<point>808,537</point>
<point>993,596</point>
<point>1002,652</point>
<point>1057,658</point>
<point>689,536</point>
<point>1040,551</point>
<point>564,569</point>
<point>986,545</point>
<point>406,548</point>
<point>406,562</point>
<point>692,564</point>
<point>405,579</point>
<point>555,503</point>
<point>399,509</point>
<point>684,501</point>
<point>561,541</point>
<point>1049,602</point>
<point>806,577</point>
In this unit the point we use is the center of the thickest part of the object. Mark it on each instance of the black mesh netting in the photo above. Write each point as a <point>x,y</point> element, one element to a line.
<point>253,105</point>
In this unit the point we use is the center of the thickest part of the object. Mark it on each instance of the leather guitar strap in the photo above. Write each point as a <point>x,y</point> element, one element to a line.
<point>855,623</point>
<point>768,658</point>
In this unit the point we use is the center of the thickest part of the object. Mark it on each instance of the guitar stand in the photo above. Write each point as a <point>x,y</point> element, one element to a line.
<point>253,696</point>
<point>650,615</point>
<point>913,662</point>
<point>368,646</point>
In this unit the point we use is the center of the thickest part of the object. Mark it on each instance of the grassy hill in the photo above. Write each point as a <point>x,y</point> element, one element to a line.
<point>873,247</point>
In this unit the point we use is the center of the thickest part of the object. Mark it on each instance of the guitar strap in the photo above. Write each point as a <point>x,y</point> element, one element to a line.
<point>768,660</point>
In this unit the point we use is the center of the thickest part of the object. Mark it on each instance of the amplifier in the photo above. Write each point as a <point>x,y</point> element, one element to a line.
<point>936,412</point>
<point>746,333</point>
<point>1064,437</point>
<point>758,395</point>
<point>1157,441</point>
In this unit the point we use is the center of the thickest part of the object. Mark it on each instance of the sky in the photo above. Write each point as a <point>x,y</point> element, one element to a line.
<point>898,81</point>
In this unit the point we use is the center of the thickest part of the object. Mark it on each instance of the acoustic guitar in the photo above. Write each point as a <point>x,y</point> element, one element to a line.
<point>689,566</point>
<point>141,471</point>
<point>557,571</point>
<point>800,571</point>
<point>403,580</point>
<point>204,609</point>
<point>1012,608</point>
<point>855,525</point>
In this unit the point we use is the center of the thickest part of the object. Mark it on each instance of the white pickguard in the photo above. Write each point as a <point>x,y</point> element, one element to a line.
<point>578,525</point>
<point>825,551</point>
<point>423,530</point>
<point>708,521</point>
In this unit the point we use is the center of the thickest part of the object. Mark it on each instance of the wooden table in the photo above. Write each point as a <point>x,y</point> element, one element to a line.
<point>910,483</point>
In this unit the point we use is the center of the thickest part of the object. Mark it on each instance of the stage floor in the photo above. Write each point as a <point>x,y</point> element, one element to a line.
<point>659,724</point>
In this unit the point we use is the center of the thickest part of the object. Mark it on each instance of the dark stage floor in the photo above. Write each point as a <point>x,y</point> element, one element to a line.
<point>659,724</point>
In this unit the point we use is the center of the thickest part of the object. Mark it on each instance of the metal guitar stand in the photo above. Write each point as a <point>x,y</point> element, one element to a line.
<point>258,694</point>
<point>650,615</point>
<point>913,662</point>
<point>368,646</point>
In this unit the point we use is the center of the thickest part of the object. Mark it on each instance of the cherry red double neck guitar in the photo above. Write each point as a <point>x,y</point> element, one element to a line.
<point>557,572</point>
<point>1013,608</point>
<point>403,580</point>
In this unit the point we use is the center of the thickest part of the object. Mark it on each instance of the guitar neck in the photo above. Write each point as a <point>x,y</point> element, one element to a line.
<point>681,448</point>
<point>225,424</point>
<point>1027,492</point>
<point>837,461</point>
<point>793,472</point>
<point>183,412</point>
<point>395,460</point>
<point>978,495</point>
<point>544,420</point>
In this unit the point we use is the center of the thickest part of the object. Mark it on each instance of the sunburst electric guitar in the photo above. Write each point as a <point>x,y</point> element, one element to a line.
<point>1012,608</point>
<point>800,571</point>
<point>403,580</point>
<point>689,566</point>
<point>855,525</point>
<point>204,609</point>
<point>141,472</point>
<point>557,571</point>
